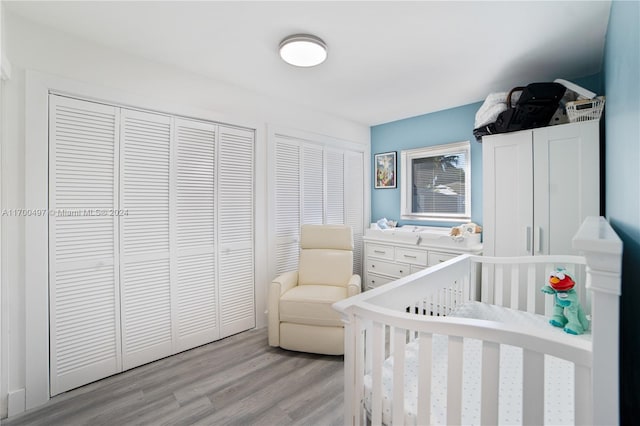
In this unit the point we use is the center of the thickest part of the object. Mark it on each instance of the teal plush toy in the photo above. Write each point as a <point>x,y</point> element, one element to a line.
<point>567,311</point>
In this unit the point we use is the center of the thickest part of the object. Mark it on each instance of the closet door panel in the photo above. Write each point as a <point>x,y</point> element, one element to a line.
<point>312,184</point>
<point>354,203</point>
<point>83,279</point>
<point>287,204</point>
<point>335,186</point>
<point>144,237</point>
<point>196,314</point>
<point>236,230</point>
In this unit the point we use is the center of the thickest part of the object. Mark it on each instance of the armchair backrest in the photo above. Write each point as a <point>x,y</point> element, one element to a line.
<point>326,255</point>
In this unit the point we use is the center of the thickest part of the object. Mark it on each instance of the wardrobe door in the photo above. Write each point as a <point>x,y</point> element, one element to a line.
<point>507,188</point>
<point>83,253</point>
<point>354,203</point>
<point>195,291</point>
<point>287,204</point>
<point>144,237</point>
<point>236,229</point>
<point>335,186</point>
<point>566,183</point>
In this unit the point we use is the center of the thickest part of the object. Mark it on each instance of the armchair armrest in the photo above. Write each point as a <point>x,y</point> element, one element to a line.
<point>277,288</point>
<point>355,285</point>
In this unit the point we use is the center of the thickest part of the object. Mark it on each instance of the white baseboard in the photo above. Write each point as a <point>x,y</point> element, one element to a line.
<point>16,402</point>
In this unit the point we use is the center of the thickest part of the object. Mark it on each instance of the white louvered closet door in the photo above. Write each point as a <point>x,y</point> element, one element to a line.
<point>354,203</point>
<point>144,237</point>
<point>312,177</point>
<point>335,186</point>
<point>83,253</point>
<point>287,204</point>
<point>195,291</point>
<point>235,229</point>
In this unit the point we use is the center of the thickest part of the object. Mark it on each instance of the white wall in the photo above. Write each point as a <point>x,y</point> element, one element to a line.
<point>33,47</point>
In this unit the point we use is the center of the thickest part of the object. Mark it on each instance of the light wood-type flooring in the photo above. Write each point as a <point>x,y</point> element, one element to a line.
<point>239,380</point>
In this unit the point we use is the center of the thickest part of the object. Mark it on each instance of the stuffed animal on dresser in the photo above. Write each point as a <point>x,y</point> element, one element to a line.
<point>567,311</point>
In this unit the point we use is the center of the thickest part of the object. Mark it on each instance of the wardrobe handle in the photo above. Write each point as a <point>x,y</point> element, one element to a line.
<point>528,238</point>
<point>538,239</point>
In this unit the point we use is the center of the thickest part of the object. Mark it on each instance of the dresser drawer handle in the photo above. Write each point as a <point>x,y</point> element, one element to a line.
<point>410,257</point>
<point>380,251</point>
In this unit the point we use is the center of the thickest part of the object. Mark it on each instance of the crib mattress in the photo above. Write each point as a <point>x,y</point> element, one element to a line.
<point>559,375</point>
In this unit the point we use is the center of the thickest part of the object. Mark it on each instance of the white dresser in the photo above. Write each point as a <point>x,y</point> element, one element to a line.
<point>395,253</point>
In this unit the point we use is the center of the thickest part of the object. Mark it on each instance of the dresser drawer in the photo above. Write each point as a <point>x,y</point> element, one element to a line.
<point>388,268</point>
<point>374,281</point>
<point>414,257</point>
<point>436,257</point>
<point>380,251</point>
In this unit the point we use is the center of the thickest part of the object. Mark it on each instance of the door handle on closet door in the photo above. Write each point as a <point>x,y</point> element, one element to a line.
<point>538,239</point>
<point>528,239</point>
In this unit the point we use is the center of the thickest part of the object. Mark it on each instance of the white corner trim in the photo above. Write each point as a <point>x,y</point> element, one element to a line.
<point>5,67</point>
<point>16,402</point>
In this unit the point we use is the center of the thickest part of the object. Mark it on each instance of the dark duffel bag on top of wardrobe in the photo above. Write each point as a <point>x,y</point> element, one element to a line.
<point>537,104</point>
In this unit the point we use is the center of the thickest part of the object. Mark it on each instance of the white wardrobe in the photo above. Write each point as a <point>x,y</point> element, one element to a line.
<point>538,186</point>
<point>314,183</point>
<point>151,232</point>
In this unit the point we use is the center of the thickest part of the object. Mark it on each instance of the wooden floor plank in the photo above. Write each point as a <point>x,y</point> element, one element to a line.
<point>239,380</point>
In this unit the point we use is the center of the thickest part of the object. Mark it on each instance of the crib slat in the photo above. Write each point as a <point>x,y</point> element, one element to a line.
<point>532,387</point>
<point>515,286</point>
<point>376,373</point>
<point>583,403</point>
<point>532,289</point>
<point>499,285</point>
<point>397,410</point>
<point>485,287</point>
<point>473,286</point>
<point>454,381</point>
<point>424,379</point>
<point>359,369</point>
<point>490,383</point>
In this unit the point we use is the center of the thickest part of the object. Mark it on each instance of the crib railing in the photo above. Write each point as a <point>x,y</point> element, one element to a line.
<point>382,332</point>
<point>415,309</point>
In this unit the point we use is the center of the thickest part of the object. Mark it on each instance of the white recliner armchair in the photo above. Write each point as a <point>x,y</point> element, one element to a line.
<point>300,314</point>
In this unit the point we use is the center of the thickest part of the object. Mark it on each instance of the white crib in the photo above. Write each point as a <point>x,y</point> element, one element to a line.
<point>468,342</point>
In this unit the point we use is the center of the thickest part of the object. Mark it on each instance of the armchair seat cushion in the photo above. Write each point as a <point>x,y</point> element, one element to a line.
<point>311,305</point>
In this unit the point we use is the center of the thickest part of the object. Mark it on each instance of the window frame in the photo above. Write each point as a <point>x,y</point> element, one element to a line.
<point>406,184</point>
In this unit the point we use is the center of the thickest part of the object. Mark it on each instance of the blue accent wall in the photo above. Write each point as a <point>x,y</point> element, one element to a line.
<point>451,125</point>
<point>622,186</point>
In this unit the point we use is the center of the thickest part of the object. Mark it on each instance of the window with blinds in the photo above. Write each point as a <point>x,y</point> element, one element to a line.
<point>437,182</point>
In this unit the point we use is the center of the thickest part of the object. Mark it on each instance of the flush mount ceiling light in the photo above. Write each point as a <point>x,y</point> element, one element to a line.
<point>303,50</point>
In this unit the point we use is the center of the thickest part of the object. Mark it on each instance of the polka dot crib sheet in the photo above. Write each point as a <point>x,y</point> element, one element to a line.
<point>559,374</point>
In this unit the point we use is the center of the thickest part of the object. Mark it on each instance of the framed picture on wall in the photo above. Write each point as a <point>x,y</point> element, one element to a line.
<point>385,170</point>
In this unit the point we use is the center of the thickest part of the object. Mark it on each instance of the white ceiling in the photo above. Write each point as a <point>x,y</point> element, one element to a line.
<point>387,59</point>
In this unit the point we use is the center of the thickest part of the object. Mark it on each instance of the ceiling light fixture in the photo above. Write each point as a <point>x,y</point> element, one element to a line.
<point>303,50</point>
